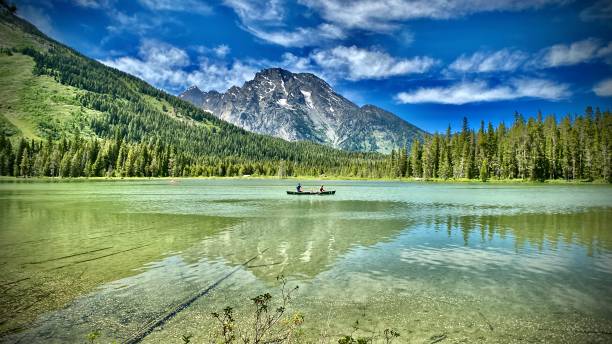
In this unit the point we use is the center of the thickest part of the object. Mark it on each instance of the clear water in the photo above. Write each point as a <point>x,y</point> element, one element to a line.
<point>472,262</point>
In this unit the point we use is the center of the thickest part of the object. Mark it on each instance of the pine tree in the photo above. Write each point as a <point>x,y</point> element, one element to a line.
<point>415,159</point>
<point>484,170</point>
<point>24,164</point>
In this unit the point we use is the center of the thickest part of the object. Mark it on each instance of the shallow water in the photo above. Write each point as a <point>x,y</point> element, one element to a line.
<point>472,262</point>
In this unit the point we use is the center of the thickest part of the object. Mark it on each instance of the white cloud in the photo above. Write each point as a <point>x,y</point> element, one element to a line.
<point>479,91</point>
<point>93,3</point>
<point>170,68</point>
<point>300,37</point>
<point>481,62</point>
<point>351,63</point>
<point>356,63</point>
<point>509,60</point>
<point>215,75</point>
<point>221,50</point>
<point>251,11</point>
<point>575,53</point>
<point>264,20</point>
<point>601,10</point>
<point>38,17</point>
<point>384,15</point>
<point>161,53</point>
<point>603,88</point>
<point>159,63</point>
<point>298,64</point>
<point>194,6</point>
<point>605,53</point>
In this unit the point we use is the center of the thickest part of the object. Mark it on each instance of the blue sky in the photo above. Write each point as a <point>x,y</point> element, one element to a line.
<point>431,62</point>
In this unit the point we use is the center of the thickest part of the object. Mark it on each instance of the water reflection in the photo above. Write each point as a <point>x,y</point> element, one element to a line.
<point>586,228</point>
<point>305,238</point>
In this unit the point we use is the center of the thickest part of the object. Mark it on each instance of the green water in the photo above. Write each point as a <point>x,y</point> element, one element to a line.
<point>474,263</point>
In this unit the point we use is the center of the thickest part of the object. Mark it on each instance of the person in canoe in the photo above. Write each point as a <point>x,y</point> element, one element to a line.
<point>299,187</point>
<point>322,189</point>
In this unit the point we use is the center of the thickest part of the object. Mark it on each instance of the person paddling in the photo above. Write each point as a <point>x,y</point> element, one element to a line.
<point>299,187</point>
<point>321,189</point>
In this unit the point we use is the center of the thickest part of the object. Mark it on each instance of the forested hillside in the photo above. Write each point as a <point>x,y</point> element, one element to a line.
<point>117,125</point>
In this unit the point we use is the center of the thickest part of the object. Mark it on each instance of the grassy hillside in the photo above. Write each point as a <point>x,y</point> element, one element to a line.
<point>38,106</point>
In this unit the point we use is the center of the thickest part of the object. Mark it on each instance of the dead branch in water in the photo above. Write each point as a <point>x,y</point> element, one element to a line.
<point>486,320</point>
<point>155,323</point>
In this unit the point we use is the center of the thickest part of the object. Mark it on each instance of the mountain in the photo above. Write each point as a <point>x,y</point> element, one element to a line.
<point>301,106</point>
<point>64,114</point>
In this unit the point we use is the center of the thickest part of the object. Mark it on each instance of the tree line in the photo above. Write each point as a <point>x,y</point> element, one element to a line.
<point>78,157</point>
<point>537,148</point>
<point>576,148</point>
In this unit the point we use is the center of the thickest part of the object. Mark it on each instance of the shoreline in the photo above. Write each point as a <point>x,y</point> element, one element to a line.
<point>311,178</point>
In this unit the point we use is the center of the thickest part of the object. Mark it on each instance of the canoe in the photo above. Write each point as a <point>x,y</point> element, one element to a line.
<point>331,192</point>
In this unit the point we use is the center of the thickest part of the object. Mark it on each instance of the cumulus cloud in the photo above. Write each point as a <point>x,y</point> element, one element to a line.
<point>352,63</point>
<point>480,91</point>
<point>601,10</point>
<point>217,75</point>
<point>170,68</point>
<point>298,64</point>
<point>384,15</point>
<point>194,6</point>
<point>603,88</point>
<point>357,63</point>
<point>221,50</point>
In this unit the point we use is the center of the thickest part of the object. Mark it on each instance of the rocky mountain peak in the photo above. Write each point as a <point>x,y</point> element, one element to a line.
<point>302,106</point>
<point>193,95</point>
<point>273,73</point>
<point>193,88</point>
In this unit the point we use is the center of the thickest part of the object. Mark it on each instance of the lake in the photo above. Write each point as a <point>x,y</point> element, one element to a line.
<point>450,262</point>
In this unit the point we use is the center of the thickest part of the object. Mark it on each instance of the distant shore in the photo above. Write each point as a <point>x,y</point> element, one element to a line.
<point>321,178</point>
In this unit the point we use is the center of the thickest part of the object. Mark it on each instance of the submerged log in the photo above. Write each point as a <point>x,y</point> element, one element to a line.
<point>155,323</point>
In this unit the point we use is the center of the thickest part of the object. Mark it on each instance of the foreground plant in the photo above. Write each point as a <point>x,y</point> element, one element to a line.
<point>268,325</point>
<point>272,323</point>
